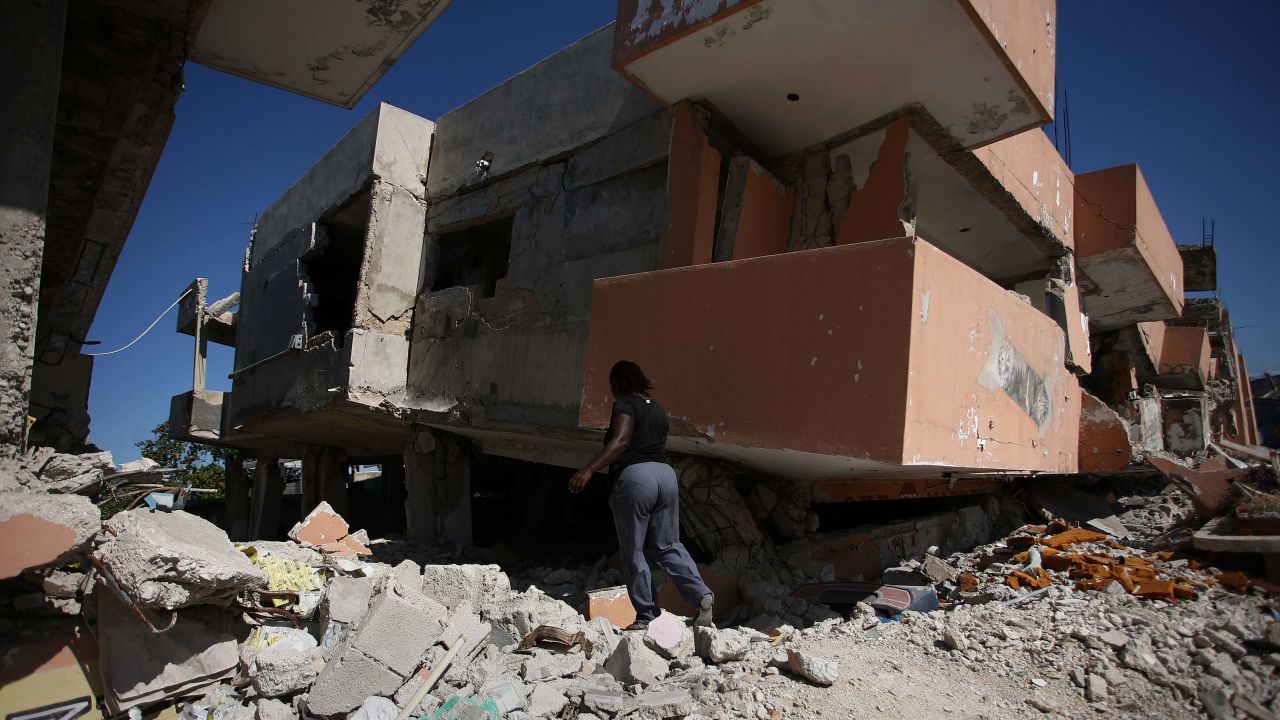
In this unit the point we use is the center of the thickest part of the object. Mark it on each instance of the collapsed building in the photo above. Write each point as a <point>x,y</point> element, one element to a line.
<point>850,282</point>
<point>880,308</point>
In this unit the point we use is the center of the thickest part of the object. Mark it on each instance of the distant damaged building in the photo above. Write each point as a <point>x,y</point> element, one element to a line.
<point>851,281</point>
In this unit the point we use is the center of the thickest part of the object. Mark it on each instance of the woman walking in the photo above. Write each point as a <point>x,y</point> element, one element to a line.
<point>645,498</point>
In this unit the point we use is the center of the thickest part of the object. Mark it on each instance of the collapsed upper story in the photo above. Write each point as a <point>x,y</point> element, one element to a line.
<point>819,259</point>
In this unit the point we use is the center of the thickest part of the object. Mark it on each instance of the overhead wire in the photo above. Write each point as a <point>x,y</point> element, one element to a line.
<point>144,332</point>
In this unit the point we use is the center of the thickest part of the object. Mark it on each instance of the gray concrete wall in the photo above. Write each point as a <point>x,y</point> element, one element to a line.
<point>385,155</point>
<point>586,202</point>
<point>31,36</point>
<point>562,103</point>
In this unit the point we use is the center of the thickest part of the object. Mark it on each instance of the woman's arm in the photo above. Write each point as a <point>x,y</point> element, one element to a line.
<point>623,427</point>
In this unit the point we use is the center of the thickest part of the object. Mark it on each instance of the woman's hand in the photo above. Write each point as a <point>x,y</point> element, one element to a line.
<point>579,480</point>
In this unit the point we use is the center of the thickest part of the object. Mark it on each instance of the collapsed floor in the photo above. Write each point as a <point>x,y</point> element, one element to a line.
<point>1057,617</point>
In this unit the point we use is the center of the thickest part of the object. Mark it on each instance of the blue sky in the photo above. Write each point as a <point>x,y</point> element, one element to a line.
<point>1187,94</point>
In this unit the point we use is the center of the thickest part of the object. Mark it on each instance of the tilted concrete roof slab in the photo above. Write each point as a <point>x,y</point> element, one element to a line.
<point>330,50</point>
<point>794,74</point>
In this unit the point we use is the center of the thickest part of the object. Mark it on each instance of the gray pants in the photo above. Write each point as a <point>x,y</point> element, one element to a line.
<point>646,512</point>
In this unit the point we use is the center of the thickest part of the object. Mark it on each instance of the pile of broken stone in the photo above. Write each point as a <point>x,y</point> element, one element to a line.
<point>312,627</point>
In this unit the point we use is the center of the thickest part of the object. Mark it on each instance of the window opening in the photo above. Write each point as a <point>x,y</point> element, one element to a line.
<point>333,266</point>
<point>476,256</point>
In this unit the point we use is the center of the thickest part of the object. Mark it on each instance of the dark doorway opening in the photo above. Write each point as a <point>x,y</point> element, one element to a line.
<point>333,265</point>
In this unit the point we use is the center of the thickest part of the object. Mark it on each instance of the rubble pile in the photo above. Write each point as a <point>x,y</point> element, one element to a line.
<point>330,624</point>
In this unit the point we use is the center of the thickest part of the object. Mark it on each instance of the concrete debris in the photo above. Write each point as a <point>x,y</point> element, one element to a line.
<point>64,473</point>
<point>283,671</point>
<point>633,663</point>
<point>718,646</point>
<point>173,560</point>
<point>40,530</point>
<point>375,708</point>
<point>815,669</point>
<point>669,636</point>
<point>325,529</point>
<point>381,629</point>
<point>273,709</point>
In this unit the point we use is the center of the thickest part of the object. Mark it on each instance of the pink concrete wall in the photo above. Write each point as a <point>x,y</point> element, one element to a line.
<point>693,178</point>
<point>1152,336</point>
<point>989,387</point>
<point>1026,32</point>
<point>806,350</point>
<point>1030,168</point>
<point>889,351</point>
<point>1185,352</point>
<point>1116,211</point>
<point>764,222</point>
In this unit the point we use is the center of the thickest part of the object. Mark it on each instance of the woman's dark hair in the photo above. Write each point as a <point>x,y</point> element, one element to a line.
<point>626,377</point>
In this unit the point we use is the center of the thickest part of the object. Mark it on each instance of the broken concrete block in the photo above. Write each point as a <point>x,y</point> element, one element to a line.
<point>62,584</point>
<point>937,570</point>
<point>347,681</point>
<point>324,528</point>
<point>634,663</point>
<point>64,473</point>
<point>655,705</point>
<point>409,574</point>
<point>546,700</point>
<point>719,646</point>
<point>549,666</point>
<point>476,586</point>
<point>375,708</point>
<point>953,638</point>
<point>320,527</point>
<point>281,671</point>
<point>507,695</point>
<point>612,604</point>
<point>348,598</point>
<point>172,560</point>
<point>668,635</point>
<point>817,670</point>
<point>426,706</point>
<point>398,630</point>
<point>272,709</point>
<point>604,701</point>
<point>520,614</point>
<point>41,530</point>
<point>1095,688</point>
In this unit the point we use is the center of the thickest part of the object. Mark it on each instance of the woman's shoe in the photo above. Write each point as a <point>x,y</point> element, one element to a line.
<point>705,607</point>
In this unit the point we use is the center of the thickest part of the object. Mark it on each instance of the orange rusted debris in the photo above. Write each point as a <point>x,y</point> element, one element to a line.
<point>1073,536</point>
<point>1035,579</point>
<point>968,582</point>
<point>1155,590</point>
<point>1034,529</point>
<point>1021,541</point>
<point>1236,581</point>
<point>1056,527</point>
<point>1059,561</point>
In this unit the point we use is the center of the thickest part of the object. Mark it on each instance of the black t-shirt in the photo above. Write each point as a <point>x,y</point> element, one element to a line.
<point>648,439</point>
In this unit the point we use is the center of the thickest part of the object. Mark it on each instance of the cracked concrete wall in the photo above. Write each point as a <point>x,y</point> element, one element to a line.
<point>575,159</point>
<point>31,48</point>
<point>384,159</point>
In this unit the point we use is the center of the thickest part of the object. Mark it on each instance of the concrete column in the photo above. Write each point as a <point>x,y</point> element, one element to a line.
<point>454,486</point>
<point>236,505</point>
<point>420,477</point>
<point>333,479</point>
<point>31,34</point>
<point>268,488</point>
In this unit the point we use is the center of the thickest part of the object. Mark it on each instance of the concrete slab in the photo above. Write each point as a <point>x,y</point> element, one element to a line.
<point>345,49</point>
<point>944,56</point>
<point>972,383</point>
<point>1130,266</point>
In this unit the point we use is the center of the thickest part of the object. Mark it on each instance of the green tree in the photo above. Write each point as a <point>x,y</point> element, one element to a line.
<point>201,465</point>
